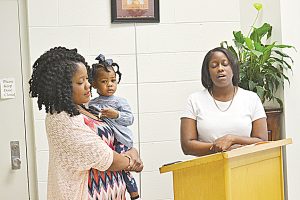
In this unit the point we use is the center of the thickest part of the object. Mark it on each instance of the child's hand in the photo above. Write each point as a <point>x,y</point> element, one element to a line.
<point>109,113</point>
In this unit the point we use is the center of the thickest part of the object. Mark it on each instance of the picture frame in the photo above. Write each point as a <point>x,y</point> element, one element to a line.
<point>135,11</point>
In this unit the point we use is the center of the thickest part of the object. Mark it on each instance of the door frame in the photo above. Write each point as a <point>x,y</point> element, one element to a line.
<point>28,108</point>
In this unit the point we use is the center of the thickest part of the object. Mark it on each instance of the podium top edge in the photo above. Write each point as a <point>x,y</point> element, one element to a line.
<point>191,162</point>
<point>257,147</point>
<point>226,155</point>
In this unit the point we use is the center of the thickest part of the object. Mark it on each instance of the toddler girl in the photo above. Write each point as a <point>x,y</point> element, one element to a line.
<point>114,110</point>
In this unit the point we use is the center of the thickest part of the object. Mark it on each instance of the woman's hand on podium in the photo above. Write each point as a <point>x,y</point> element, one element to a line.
<point>235,146</point>
<point>223,143</point>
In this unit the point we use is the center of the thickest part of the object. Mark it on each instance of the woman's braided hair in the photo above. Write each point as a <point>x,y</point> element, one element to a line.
<point>51,80</point>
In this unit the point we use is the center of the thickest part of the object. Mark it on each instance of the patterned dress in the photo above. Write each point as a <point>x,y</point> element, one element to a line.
<point>105,185</point>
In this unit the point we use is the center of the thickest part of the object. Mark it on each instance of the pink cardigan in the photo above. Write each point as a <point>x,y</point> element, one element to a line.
<point>73,149</point>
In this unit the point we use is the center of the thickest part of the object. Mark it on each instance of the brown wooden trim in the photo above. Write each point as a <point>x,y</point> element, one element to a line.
<point>274,123</point>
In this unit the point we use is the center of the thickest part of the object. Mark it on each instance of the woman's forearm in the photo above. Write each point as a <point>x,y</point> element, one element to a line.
<point>196,148</point>
<point>119,163</point>
<point>137,164</point>
<point>243,140</point>
<point>189,139</point>
<point>129,161</point>
<point>228,142</point>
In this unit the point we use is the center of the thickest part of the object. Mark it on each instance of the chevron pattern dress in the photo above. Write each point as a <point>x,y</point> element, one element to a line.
<point>105,185</point>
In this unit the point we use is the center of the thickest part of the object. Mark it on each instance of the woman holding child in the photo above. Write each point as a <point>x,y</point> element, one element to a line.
<point>82,165</point>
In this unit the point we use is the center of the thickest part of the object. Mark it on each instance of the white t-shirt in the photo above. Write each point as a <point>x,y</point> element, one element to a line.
<point>212,123</point>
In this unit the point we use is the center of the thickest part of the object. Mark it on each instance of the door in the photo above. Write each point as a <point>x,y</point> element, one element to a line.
<point>13,183</point>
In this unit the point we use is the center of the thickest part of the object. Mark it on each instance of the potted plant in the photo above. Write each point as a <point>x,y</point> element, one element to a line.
<point>262,62</point>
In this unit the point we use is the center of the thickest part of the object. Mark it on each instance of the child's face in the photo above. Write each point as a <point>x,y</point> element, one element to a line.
<point>105,82</point>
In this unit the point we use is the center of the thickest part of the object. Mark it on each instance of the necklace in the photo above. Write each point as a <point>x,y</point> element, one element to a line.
<point>234,91</point>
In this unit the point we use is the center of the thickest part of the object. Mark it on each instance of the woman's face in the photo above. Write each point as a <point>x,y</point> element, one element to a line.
<point>220,70</point>
<point>80,85</point>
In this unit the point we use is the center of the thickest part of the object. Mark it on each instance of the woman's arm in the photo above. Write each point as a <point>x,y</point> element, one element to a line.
<point>260,129</point>
<point>259,133</point>
<point>78,147</point>
<point>137,164</point>
<point>131,163</point>
<point>189,139</point>
<point>120,162</point>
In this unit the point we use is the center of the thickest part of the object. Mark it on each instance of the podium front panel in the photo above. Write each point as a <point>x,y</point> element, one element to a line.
<point>200,182</point>
<point>257,176</point>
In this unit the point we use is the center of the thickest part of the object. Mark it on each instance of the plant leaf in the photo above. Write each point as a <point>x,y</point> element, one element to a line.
<point>238,36</point>
<point>261,93</point>
<point>258,46</point>
<point>258,33</point>
<point>283,55</point>
<point>233,51</point>
<point>284,46</point>
<point>249,43</point>
<point>252,85</point>
<point>257,53</point>
<point>266,55</point>
<point>279,101</point>
<point>282,62</point>
<point>224,44</point>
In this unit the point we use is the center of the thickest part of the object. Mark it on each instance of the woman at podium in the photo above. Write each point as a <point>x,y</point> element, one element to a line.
<point>222,116</point>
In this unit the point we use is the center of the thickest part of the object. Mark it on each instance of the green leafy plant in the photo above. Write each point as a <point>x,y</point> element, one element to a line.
<point>262,63</point>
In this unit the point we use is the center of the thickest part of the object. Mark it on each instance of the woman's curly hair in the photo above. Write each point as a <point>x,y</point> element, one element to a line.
<point>51,79</point>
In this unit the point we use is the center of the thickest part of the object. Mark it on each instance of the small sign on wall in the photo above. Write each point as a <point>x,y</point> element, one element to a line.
<point>8,88</point>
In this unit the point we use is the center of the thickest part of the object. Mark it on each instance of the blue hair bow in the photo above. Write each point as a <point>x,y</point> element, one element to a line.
<point>111,63</point>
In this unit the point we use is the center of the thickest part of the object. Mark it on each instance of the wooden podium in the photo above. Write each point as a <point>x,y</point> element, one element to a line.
<point>253,172</point>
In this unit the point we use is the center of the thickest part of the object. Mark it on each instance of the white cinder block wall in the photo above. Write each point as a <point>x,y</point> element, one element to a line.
<point>290,35</point>
<point>160,65</point>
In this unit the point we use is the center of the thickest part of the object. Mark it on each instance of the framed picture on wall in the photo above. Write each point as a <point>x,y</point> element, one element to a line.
<point>140,11</point>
